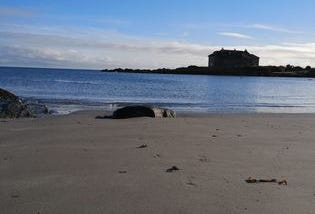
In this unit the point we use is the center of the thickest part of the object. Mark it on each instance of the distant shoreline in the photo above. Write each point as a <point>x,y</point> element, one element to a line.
<point>261,71</point>
<point>265,71</point>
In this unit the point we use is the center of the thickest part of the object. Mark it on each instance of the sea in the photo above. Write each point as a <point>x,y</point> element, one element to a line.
<point>65,91</point>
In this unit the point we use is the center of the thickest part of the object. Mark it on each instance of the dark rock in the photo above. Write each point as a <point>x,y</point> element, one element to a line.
<point>37,109</point>
<point>7,96</point>
<point>173,168</point>
<point>103,117</point>
<point>11,106</point>
<point>142,111</point>
<point>52,112</point>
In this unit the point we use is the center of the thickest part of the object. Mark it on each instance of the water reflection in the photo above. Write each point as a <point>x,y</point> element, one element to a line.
<point>181,92</point>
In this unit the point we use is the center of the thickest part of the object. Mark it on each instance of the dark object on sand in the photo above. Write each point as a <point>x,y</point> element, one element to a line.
<point>173,168</point>
<point>142,111</point>
<point>255,181</point>
<point>142,146</point>
<point>103,117</point>
<point>122,172</point>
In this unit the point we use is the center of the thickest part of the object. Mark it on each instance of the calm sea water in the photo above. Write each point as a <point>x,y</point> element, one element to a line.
<point>65,91</point>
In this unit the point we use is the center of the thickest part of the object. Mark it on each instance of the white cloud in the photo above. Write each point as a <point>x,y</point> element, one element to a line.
<point>272,28</point>
<point>235,35</point>
<point>74,48</point>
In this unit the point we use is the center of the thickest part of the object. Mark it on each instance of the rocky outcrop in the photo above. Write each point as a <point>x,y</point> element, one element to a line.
<point>37,109</point>
<point>142,111</point>
<point>11,106</point>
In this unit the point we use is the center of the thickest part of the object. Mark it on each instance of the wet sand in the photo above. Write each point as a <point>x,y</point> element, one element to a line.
<point>78,164</point>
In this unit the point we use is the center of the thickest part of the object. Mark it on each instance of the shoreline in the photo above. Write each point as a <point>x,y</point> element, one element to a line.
<point>179,114</point>
<point>62,107</point>
<point>184,114</point>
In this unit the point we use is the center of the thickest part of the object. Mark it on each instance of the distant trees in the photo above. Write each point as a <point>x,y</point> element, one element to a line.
<point>289,67</point>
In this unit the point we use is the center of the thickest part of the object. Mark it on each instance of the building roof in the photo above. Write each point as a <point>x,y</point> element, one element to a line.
<point>234,53</point>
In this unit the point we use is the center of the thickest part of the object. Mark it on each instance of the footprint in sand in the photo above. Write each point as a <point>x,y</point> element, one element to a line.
<point>190,182</point>
<point>203,158</point>
<point>157,156</point>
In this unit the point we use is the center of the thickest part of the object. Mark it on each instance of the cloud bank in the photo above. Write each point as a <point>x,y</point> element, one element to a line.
<point>97,49</point>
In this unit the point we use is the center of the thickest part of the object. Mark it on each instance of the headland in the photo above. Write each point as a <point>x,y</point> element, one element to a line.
<point>230,62</point>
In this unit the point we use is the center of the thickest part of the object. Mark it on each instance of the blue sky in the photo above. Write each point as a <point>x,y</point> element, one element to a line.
<point>150,34</point>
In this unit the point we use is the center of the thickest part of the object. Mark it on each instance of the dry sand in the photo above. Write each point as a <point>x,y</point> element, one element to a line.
<point>77,164</point>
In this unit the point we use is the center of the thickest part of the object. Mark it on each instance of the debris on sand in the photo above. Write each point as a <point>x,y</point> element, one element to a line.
<point>173,168</point>
<point>255,181</point>
<point>142,146</point>
<point>122,172</point>
<point>283,182</point>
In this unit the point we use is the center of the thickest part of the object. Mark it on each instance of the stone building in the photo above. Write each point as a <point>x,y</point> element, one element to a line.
<point>232,59</point>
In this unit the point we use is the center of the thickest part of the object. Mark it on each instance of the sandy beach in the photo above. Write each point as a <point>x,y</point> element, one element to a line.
<point>78,164</point>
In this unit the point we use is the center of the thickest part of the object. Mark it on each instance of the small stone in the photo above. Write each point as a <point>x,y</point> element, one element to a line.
<point>173,168</point>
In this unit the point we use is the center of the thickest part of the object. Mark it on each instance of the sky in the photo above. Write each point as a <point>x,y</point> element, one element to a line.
<point>153,33</point>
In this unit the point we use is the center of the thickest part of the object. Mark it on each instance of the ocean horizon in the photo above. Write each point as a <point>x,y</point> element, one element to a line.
<point>68,90</point>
